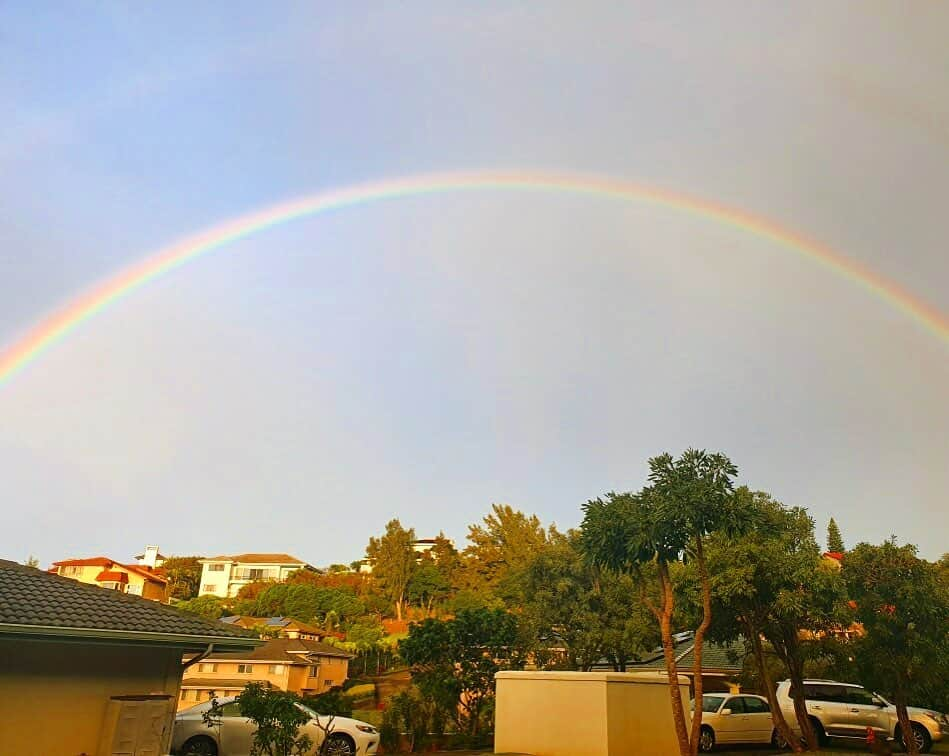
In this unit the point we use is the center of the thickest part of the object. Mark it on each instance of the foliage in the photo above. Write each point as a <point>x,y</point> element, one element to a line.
<point>500,550</point>
<point>184,576</point>
<point>903,607</point>
<point>454,661</point>
<point>428,584</point>
<point>835,542</point>
<point>211,607</point>
<point>393,562</point>
<point>303,601</point>
<point>277,716</point>
<point>32,561</point>
<point>333,702</point>
<point>419,717</point>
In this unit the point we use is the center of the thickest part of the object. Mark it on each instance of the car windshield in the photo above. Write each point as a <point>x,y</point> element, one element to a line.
<point>711,703</point>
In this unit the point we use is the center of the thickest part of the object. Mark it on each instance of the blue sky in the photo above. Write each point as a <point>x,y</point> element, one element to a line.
<point>427,357</point>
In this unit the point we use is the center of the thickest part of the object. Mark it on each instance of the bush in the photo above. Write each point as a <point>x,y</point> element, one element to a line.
<point>333,702</point>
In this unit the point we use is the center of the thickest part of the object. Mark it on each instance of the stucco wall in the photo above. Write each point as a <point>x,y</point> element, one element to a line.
<point>584,714</point>
<point>54,695</point>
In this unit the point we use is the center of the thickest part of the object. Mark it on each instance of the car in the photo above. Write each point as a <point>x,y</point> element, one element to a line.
<point>741,718</point>
<point>846,710</point>
<point>234,737</point>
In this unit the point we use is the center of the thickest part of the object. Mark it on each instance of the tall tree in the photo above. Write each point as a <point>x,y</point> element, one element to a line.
<point>835,542</point>
<point>393,562</point>
<point>670,520</point>
<point>500,550</point>
<point>184,576</point>
<point>904,609</point>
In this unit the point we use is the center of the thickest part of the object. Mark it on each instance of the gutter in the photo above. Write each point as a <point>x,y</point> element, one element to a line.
<point>94,633</point>
<point>203,655</point>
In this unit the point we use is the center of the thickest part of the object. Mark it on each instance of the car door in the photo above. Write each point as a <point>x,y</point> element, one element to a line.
<point>731,727</point>
<point>827,702</point>
<point>864,710</point>
<point>237,732</point>
<point>758,719</point>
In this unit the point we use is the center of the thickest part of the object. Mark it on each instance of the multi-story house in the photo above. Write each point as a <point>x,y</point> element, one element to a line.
<point>136,579</point>
<point>300,666</point>
<point>277,627</point>
<point>224,576</point>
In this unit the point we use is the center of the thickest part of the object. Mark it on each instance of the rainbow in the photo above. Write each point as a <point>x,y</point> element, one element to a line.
<point>60,323</point>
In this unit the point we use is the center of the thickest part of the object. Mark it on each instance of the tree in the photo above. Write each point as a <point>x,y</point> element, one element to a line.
<point>904,609</point>
<point>762,583</point>
<point>668,521</point>
<point>184,576</point>
<point>453,662</point>
<point>500,550</point>
<point>32,561</point>
<point>428,585</point>
<point>211,607</point>
<point>835,542</point>
<point>393,562</point>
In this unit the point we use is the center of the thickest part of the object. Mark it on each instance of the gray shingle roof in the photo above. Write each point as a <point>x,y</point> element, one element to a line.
<point>286,650</point>
<point>715,657</point>
<point>37,603</point>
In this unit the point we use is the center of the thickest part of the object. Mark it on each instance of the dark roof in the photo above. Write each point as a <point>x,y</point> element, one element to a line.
<point>715,657</point>
<point>36,603</point>
<point>285,650</point>
<point>256,559</point>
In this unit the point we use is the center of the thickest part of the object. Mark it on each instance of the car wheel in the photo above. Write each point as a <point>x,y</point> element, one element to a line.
<point>200,745</point>
<point>778,741</point>
<point>706,739</point>
<point>338,745</point>
<point>924,742</point>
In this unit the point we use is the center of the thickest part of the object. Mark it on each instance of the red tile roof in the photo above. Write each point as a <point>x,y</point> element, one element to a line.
<point>112,576</point>
<point>92,562</point>
<point>256,559</point>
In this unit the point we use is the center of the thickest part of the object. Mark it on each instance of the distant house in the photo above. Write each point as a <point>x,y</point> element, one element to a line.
<point>87,671</point>
<point>136,579</point>
<point>224,576</point>
<point>151,557</point>
<point>281,627</point>
<point>301,666</point>
<point>721,664</point>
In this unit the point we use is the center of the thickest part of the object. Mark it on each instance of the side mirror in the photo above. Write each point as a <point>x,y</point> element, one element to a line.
<point>725,713</point>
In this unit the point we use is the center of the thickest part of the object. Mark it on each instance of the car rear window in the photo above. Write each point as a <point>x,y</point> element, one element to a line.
<point>710,704</point>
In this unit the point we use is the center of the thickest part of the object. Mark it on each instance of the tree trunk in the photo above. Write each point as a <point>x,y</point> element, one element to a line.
<point>698,683</point>
<point>906,727</point>
<point>668,650</point>
<point>777,716</point>
<point>796,673</point>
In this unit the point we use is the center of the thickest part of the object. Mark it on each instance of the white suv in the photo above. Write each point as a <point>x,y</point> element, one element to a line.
<point>843,710</point>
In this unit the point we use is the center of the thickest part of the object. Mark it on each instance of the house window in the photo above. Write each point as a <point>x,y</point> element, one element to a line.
<point>207,588</point>
<point>135,590</point>
<point>71,570</point>
<point>184,695</point>
<point>327,683</point>
<point>313,671</point>
<point>207,668</point>
<point>244,669</point>
<point>111,585</point>
<point>215,568</point>
<point>275,669</point>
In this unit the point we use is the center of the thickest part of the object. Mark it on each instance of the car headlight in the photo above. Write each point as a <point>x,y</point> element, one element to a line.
<point>368,729</point>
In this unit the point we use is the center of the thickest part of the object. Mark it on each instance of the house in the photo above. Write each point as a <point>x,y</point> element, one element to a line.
<point>136,579</point>
<point>721,663</point>
<point>300,666</point>
<point>88,671</point>
<point>279,627</point>
<point>151,557</point>
<point>224,576</point>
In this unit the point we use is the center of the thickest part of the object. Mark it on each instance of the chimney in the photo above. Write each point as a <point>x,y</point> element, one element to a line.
<point>150,556</point>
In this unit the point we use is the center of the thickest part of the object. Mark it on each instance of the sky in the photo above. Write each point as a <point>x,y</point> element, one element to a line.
<point>423,358</point>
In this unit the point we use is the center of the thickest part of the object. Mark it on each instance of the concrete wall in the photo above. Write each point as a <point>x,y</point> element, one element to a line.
<point>54,696</point>
<point>585,714</point>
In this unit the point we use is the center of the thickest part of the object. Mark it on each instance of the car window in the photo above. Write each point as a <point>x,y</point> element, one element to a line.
<point>755,705</point>
<point>710,704</point>
<point>232,709</point>
<point>737,705</point>
<point>825,692</point>
<point>859,696</point>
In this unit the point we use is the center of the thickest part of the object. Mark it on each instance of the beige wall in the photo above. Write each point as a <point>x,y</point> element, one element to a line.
<point>150,589</point>
<point>54,696</point>
<point>585,714</point>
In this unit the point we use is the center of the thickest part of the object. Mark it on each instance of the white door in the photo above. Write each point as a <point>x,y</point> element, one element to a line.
<point>730,727</point>
<point>237,732</point>
<point>142,726</point>
<point>758,720</point>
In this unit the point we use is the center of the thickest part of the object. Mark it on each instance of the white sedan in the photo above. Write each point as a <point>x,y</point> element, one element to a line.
<point>735,719</point>
<point>235,736</point>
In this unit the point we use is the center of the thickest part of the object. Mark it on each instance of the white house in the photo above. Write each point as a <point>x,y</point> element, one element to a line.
<point>225,575</point>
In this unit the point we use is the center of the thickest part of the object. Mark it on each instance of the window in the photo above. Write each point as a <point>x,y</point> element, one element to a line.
<point>860,696</point>
<point>829,693</point>
<point>207,668</point>
<point>184,695</point>
<point>232,709</point>
<point>755,705</point>
<point>207,588</point>
<point>244,669</point>
<point>737,705</point>
<point>327,683</point>
<point>111,585</point>
<point>71,570</point>
<point>711,703</point>
<point>313,671</point>
<point>215,568</point>
<point>275,669</point>
<point>135,590</point>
